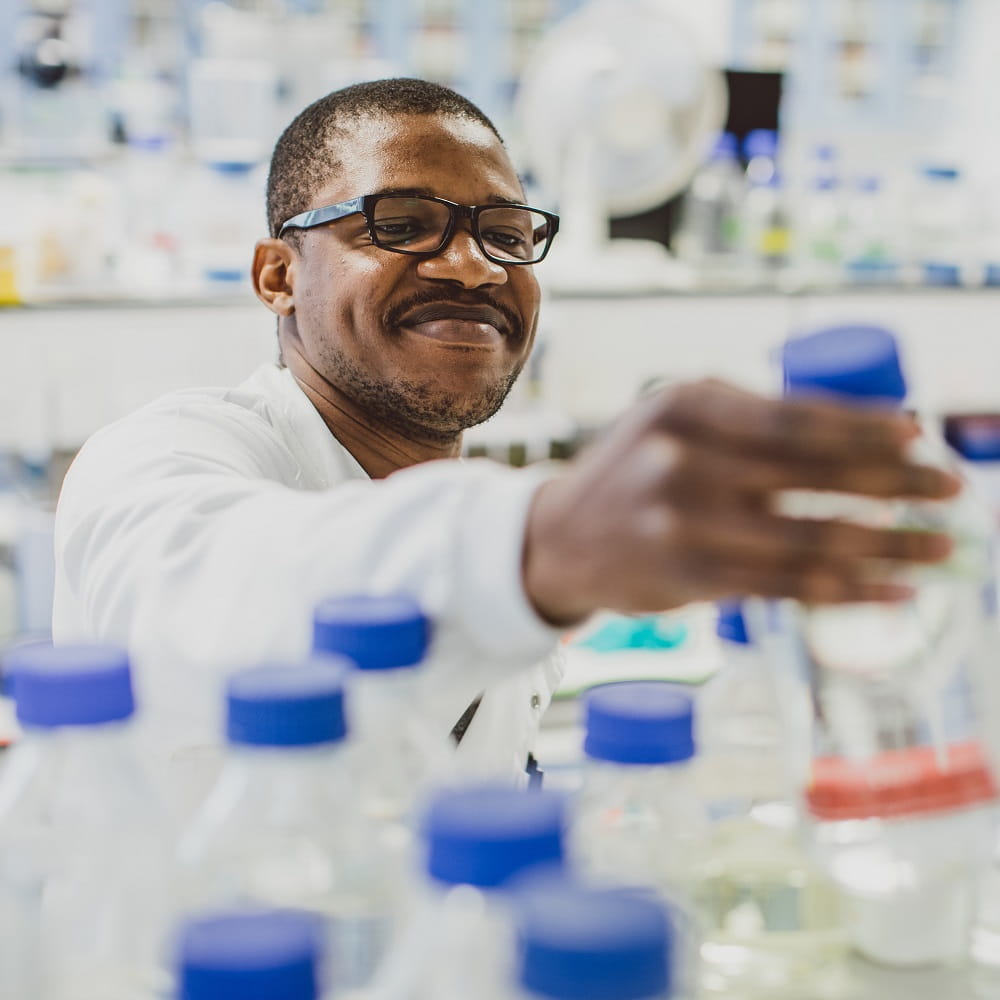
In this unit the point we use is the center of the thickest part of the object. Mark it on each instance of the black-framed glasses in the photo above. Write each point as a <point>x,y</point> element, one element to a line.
<point>422,225</point>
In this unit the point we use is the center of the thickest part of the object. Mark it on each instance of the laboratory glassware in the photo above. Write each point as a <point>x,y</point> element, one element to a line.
<point>281,826</point>
<point>902,794</point>
<point>84,847</point>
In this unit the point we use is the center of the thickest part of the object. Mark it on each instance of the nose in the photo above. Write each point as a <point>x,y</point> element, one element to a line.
<point>462,262</point>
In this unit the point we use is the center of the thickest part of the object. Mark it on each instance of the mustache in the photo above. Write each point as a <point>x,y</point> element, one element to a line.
<point>395,314</point>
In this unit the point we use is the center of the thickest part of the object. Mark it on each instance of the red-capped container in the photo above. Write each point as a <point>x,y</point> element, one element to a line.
<point>902,792</point>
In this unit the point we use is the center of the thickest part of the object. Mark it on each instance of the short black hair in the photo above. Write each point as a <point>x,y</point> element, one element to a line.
<point>305,156</point>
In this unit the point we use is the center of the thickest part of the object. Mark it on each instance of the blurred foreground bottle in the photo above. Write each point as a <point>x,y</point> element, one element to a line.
<point>638,818</point>
<point>578,943</point>
<point>83,846</point>
<point>902,793</point>
<point>459,939</point>
<point>281,827</point>
<point>267,955</point>
<point>398,751</point>
<point>773,922</point>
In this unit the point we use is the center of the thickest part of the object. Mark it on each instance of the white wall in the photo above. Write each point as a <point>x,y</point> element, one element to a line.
<point>66,372</point>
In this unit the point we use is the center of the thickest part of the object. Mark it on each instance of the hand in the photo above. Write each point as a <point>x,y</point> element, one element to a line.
<point>677,504</point>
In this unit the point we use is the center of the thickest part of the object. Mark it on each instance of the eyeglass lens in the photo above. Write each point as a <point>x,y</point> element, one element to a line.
<point>418,225</point>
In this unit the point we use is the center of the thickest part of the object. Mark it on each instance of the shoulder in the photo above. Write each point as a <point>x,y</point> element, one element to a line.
<point>223,430</point>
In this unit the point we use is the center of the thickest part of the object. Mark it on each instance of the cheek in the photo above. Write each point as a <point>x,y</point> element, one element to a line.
<point>344,296</point>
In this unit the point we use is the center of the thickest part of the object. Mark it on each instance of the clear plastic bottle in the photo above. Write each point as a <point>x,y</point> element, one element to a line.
<point>83,844</point>
<point>577,943</point>
<point>281,828</point>
<point>871,241</point>
<point>941,220</point>
<point>267,955</point>
<point>639,819</point>
<point>902,792</point>
<point>709,234</point>
<point>458,942</point>
<point>399,751</point>
<point>765,224</point>
<point>820,225</point>
<point>223,199</point>
<point>976,439</point>
<point>772,920</point>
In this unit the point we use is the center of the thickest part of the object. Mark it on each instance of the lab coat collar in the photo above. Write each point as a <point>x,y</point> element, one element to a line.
<point>316,449</point>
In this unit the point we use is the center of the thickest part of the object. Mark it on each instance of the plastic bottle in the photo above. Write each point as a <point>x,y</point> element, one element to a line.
<point>399,750</point>
<point>821,224</point>
<point>223,204</point>
<point>268,955</point>
<point>458,942</point>
<point>902,794</point>
<point>709,234</point>
<point>765,225</point>
<point>976,439</point>
<point>638,818</point>
<point>772,921</point>
<point>577,943</point>
<point>280,827</point>
<point>941,220</point>
<point>871,240</point>
<point>83,846</point>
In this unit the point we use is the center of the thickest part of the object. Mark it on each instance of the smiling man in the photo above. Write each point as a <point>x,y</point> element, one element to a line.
<point>202,530</point>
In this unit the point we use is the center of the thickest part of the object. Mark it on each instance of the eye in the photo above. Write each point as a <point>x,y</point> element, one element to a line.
<point>513,242</point>
<point>400,230</point>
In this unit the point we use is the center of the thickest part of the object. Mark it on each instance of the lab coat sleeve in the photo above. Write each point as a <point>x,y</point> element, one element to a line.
<point>173,534</point>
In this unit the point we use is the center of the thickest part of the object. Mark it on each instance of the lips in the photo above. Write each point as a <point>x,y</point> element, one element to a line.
<point>457,324</point>
<point>448,311</point>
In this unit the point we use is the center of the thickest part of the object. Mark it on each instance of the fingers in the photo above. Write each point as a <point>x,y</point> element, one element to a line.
<point>707,474</point>
<point>723,416</point>
<point>744,536</point>
<point>815,585</point>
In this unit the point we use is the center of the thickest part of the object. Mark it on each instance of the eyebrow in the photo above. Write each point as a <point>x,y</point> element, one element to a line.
<point>493,199</point>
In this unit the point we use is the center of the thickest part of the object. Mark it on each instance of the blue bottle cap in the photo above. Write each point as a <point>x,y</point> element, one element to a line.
<point>976,437</point>
<point>639,722</point>
<point>855,362</point>
<point>760,142</point>
<point>234,168</point>
<point>375,632</point>
<point>485,834</point>
<point>731,625</point>
<point>579,943</point>
<point>267,955</point>
<point>72,685</point>
<point>287,705</point>
<point>725,147</point>
<point>942,173</point>
<point>940,274</point>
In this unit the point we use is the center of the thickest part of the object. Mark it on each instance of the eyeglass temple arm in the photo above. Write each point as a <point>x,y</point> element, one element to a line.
<point>318,216</point>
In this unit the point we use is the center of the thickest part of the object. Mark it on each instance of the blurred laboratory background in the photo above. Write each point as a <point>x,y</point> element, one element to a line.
<point>728,172</point>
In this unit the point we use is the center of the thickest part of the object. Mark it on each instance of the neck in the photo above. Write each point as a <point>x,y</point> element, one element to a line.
<point>378,449</point>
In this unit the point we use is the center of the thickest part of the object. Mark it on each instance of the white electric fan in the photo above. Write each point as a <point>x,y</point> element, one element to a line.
<point>617,109</point>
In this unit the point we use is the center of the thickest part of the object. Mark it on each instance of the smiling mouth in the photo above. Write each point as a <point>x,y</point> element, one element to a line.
<point>454,324</point>
<point>457,331</point>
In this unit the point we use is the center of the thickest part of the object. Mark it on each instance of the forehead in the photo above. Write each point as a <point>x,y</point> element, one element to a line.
<point>445,155</point>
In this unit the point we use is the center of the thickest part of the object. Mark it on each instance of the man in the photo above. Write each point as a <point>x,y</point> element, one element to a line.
<point>202,529</point>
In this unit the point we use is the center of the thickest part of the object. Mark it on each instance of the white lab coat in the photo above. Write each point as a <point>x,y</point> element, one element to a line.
<point>201,530</point>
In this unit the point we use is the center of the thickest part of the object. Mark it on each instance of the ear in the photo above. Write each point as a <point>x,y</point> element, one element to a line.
<point>274,275</point>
